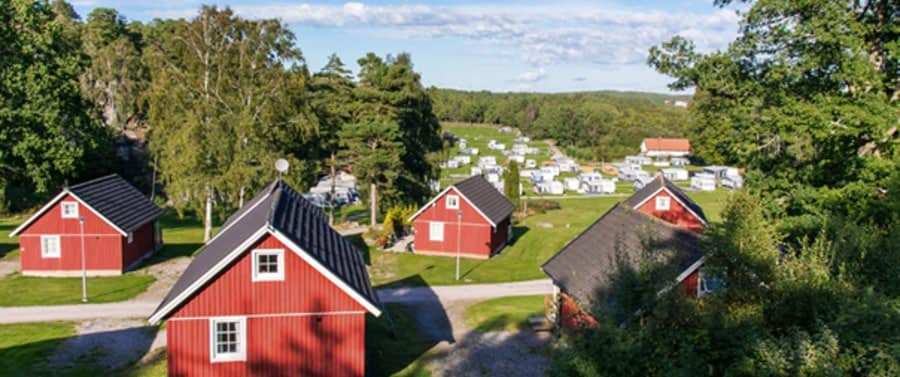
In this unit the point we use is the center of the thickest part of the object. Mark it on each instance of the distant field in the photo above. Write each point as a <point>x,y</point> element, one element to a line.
<point>478,136</point>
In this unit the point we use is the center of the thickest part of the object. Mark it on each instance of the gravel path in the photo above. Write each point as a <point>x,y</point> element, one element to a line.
<point>462,351</point>
<point>8,267</point>
<point>110,343</point>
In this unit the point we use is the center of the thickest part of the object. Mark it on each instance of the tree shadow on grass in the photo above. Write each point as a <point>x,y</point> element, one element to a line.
<point>421,322</point>
<point>6,248</point>
<point>93,354</point>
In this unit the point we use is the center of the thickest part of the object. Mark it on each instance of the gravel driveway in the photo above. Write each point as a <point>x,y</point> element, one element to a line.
<point>462,351</point>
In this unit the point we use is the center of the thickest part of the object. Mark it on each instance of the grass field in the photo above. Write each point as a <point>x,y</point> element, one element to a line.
<point>26,348</point>
<point>537,238</point>
<point>504,314</point>
<point>18,290</point>
<point>478,136</point>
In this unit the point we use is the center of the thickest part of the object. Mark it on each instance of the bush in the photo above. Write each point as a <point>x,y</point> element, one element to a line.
<point>543,205</point>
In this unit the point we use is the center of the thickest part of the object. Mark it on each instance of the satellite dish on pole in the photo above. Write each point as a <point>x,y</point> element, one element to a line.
<point>281,165</point>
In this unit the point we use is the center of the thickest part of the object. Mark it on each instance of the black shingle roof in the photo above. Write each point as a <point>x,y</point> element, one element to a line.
<point>486,198</point>
<point>118,201</point>
<point>583,268</point>
<point>658,183</point>
<point>281,207</point>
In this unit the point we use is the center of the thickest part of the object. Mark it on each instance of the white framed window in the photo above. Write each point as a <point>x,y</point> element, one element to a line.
<point>452,202</point>
<point>268,264</point>
<point>228,339</point>
<point>50,246</point>
<point>707,284</point>
<point>662,203</point>
<point>436,231</point>
<point>130,237</point>
<point>69,210</point>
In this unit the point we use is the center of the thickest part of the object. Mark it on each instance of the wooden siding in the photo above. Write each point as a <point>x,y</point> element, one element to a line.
<point>303,290</point>
<point>102,243</point>
<point>677,214</point>
<point>477,238</point>
<point>276,346</point>
<point>142,243</point>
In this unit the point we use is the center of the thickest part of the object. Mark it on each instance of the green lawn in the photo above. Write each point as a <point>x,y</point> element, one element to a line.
<point>400,356</point>
<point>18,290</point>
<point>537,238</point>
<point>504,314</point>
<point>26,348</point>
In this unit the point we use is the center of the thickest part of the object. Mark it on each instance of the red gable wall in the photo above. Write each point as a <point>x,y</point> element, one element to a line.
<point>302,326</point>
<point>102,242</point>
<point>303,290</point>
<point>475,233</point>
<point>677,214</point>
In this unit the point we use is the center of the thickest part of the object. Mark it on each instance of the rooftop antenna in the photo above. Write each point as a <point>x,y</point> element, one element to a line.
<point>282,166</point>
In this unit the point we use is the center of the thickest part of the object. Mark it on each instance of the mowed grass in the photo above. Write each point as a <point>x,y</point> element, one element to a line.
<point>18,290</point>
<point>504,313</point>
<point>537,238</point>
<point>26,348</point>
<point>402,355</point>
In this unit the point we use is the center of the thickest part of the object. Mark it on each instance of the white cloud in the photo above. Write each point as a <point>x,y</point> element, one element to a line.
<point>532,76</point>
<point>539,36</point>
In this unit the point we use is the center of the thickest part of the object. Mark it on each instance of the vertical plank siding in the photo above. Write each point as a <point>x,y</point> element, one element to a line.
<point>301,326</point>
<point>477,238</point>
<point>103,244</point>
<point>677,214</point>
<point>142,243</point>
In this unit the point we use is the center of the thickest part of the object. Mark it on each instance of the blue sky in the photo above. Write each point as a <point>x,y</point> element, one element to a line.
<point>541,46</point>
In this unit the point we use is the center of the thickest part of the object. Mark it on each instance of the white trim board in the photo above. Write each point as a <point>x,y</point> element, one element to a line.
<point>278,315</point>
<point>238,251</point>
<point>673,196</point>
<point>440,195</point>
<point>53,202</point>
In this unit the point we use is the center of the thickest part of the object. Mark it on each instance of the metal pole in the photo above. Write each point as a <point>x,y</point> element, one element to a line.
<point>83,264</point>
<point>458,245</point>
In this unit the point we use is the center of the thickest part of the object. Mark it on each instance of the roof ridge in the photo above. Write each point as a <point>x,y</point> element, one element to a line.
<point>95,180</point>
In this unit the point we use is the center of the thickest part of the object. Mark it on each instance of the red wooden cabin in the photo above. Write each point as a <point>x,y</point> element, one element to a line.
<point>470,217</point>
<point>663,199</point>
<point>277,292</point>
<point>659,216</point>
<point>119,230</point>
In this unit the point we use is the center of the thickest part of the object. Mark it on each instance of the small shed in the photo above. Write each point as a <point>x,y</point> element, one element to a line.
<point>110,219</point>
<point>470,217</point>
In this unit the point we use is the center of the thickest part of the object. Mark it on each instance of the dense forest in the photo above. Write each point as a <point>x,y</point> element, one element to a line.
<point>806,99</point>
<point>589,125</point>
<point>204,105</point>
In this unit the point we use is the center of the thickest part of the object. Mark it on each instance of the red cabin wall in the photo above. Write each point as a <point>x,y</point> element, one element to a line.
<point>102,243</point>
<point>304,325</point>
<point>677,214</point>
<point>276,346</point>
<point>142,243</point>
<point>571,317</point>
<point>689,284</point>
<point>477,238</point>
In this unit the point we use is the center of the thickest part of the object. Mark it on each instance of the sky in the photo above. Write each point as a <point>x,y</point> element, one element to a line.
<point>534,46</point>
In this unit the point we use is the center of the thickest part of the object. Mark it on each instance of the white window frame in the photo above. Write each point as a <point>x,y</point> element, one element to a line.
<point>701,287</point>
<point>48,237</point>
<point>268,276</point>
<point>454,199</point>
<point>241,339</point>
<point>436,228</point>
<point>73,214</point>
<point>663,203</point>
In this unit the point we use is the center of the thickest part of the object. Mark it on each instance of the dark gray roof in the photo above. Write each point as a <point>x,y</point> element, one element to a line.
<point>281,207</point>
<point>118,201</point>
<point>658,183</point>
<point>486,198</point>
<point>583,268</point>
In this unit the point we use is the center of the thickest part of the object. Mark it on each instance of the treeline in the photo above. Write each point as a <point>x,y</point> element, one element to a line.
<point>590,125</point>
<point>206,104</point>
<point>809,257</point>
